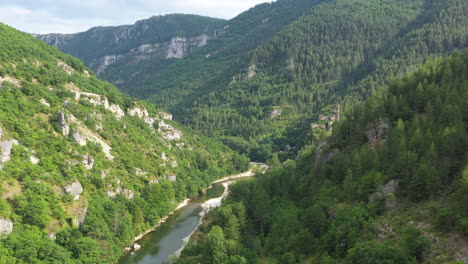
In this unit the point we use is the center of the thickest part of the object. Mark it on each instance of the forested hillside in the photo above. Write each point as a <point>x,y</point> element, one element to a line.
<point>339,51</point>
<point>390,185</point>
<point>83,167</point>
<point>265,75</point>
<point>123,53</point>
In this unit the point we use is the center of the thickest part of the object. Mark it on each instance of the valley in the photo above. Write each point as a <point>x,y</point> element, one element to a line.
<point>343,125</point>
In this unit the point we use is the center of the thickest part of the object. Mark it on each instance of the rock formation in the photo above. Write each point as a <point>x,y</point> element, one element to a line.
<point>74,189</point>
<point>6,226</point>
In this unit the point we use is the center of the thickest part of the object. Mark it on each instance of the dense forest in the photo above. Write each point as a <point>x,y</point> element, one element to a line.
<point>291,58</point>
<point>390,185</point>
<point>83,167</point>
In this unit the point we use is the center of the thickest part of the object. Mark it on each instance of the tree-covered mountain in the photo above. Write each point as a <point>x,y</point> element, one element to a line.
<point>270,71</point>
<point>121,53</point>
<point>83,167</point>
<point>390,185</point>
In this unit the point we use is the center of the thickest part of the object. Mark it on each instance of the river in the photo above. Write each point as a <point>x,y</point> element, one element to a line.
<point>170,237</point>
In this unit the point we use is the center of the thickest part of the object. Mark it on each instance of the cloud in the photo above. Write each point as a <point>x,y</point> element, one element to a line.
<point>70,16</point>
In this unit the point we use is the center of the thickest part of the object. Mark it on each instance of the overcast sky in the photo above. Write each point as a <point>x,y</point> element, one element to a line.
<point>70,16</point>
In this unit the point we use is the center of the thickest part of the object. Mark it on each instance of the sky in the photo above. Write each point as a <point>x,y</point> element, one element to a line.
<point>71,16</point>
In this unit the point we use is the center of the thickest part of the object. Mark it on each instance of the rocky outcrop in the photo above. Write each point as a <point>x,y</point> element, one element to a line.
<point>138,111</point>
<point>171,177</point>
<point>105,62</point>
<point>44,102</point>
<point>67,68</point>
<point>5,150</point>
<point>94,99</point>
<point>6,226</point>
<point>63,123</point>
<point>88,161</point>
<point>387,194</point>
<point>169,132</point>
<point>78,137</point>
<point>376,133</point>
<point>274,113</point>
<point>79,215</point>
<point>127,193</point>
<point>74,189</point>
<point>11,80</point>
<point>165,115</point>
<point>116,110</point>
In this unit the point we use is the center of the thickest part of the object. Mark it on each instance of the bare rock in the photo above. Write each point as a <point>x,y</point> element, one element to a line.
<point>78,138</point>
<point>165,115</point>
<point>44,102</point>
<point>171,177</point>
<point>6,226</point>
<point>274,113</point>
<point>88,161</point>
<point>5,150</point>
<point>169,132</point>
<point>74,189</point>
<point>387,194</point>
<point>376,133</point>
<point>63,123</point>
<point>138,111</point>
<point>116,110</point>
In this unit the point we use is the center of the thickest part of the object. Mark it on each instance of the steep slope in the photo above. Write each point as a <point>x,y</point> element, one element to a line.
<point>390,185</point>
<point>121,53</point>
<point>83,167</point>
<point>339,51</point>
<point>274,69</point>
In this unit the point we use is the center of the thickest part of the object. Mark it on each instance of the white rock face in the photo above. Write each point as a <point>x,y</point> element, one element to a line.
<point>116,110</point>
<point>44,102</point>
<point>5,149</point>
<point>6,226</point>
<point>63,122</point>
<point>94,99</point>
<point>66,67</point>
<point>88,161</point>
<point>78,137</point>
<point>169,132</point>
<point>127,193</point>
<point>165,115</point>
<point>176,48</point>
<point>171,178</point>
<point>74,189</point>
<point>34,159</point>
<point>138,111</point>
<point>107,61</point>
<point>136,246</point>
<point>79,216</point>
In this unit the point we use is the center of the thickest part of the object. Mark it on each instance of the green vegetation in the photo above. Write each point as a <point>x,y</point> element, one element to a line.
<point>294,57</point>
<point>338,202</point>
<point>122,196</point>
<point>337,51</point>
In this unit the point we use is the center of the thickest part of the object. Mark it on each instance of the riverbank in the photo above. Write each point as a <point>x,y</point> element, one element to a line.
<point>255,167</point>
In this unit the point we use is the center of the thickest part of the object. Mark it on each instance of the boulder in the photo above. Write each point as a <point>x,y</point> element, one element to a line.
<point>136,246</point>
<point>74,189</point>
<point>6,226</point>
<point>44,102</point>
